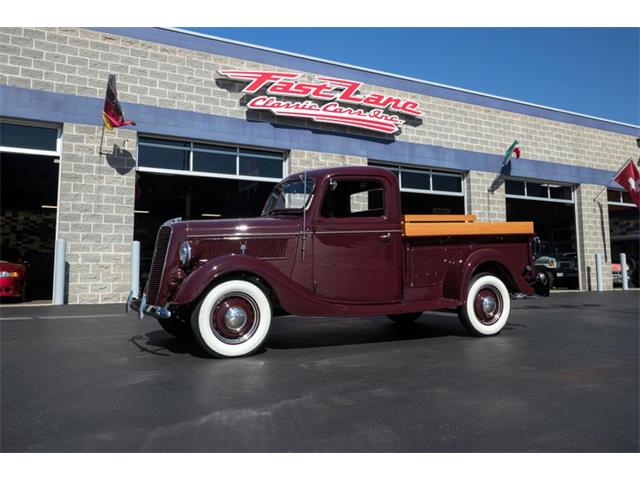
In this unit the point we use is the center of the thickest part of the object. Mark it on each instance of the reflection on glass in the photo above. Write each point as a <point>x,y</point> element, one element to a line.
<point>161,141</point>
<point>560,192</point>
<point>158,157</point>
<point>514,187</point>
<point>613,196</point>
<point>259,166</point>
<point>28,136</point>
<point>536,190</point>
<point>446,183</point>
<point>289,197</point>
<point>214,162</point>
<point>415,179</point>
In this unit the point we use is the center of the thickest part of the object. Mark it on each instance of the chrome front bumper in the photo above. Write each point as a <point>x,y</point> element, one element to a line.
<point>140,305</point>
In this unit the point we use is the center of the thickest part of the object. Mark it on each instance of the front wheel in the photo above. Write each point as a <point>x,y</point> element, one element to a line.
<point>232,320</point>
<point>487,306</point>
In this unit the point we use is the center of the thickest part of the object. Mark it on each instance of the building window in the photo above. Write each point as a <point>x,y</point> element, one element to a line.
<point>619,197</point>
<point>214,159</point>
<point>442,182</point>
<point>30,139</point>
<point>550,192</point>
<point>257,163</point>
<point>163,154</point>
<point>425,180</point>
<point>203,159</point>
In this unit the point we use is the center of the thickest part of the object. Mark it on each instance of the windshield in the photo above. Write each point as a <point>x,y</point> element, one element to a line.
<point>289,197</point>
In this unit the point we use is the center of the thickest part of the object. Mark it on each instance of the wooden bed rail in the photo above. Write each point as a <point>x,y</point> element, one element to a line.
<point>449,225</point>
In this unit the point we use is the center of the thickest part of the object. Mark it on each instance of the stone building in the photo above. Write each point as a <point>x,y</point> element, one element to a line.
<point>202,148</point>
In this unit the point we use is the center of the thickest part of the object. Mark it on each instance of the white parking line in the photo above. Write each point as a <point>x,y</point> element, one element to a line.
<point>61,317</point>
<point>55,317</point>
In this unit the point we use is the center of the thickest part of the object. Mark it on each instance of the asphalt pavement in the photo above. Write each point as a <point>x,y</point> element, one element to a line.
<point>561,377</point>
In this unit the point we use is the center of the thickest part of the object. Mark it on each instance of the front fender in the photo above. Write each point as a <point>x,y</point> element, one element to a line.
<point>199,280</point>
<point>457,279</point>
<point>292,296</point>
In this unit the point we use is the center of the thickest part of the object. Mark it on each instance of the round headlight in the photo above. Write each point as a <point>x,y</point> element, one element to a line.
<point>185,253</point>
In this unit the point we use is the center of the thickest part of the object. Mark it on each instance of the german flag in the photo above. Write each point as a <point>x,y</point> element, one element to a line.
<point>112,112</point>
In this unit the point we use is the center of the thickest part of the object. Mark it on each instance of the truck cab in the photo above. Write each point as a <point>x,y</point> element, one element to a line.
<point>333,242</point>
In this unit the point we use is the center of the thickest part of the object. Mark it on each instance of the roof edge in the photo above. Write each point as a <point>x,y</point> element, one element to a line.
<point>393,75</point>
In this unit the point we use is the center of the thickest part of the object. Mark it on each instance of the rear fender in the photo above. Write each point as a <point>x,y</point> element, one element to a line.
<point>457,279</point>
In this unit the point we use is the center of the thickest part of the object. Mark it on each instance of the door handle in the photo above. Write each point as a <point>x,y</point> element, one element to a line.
<point>385,237</point>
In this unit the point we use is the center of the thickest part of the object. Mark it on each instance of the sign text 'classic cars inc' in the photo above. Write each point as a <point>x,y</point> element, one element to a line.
<point>378,114</point>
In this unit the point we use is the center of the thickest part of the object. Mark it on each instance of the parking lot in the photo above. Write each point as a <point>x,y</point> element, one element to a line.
<point>562,376</point>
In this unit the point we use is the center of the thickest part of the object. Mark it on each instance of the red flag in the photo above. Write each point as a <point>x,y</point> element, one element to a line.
<point>629,178</point>
<point>112,112</point>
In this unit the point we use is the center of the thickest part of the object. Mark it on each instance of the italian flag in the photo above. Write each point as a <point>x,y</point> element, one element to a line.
<point>514,149</point>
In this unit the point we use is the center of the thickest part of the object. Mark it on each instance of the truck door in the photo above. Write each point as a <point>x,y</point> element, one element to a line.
<point>357,250</point>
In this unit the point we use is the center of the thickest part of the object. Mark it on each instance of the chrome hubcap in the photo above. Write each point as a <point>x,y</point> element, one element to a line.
<point>235,318</point>
<point>489,305</point>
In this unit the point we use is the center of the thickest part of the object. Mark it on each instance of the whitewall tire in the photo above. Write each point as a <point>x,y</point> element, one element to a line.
<point>233,319</point>
<point>487,306</point>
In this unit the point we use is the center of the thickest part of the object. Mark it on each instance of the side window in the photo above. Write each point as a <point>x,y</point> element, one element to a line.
<point>353,198</point>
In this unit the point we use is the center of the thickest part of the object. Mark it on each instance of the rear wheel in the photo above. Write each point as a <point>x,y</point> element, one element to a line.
<point>487,306</point>
<point>232,320</point>
<point>175,327</point>
<point>405,318</point>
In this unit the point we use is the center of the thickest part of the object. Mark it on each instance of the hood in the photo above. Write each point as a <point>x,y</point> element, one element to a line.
<point>12,267</point>
<point>240,227</point>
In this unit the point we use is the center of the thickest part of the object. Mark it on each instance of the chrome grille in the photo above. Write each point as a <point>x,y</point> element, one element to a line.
<point>157,265</point>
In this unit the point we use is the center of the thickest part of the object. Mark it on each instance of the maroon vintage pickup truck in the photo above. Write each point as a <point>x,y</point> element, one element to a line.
<point>333,242</point>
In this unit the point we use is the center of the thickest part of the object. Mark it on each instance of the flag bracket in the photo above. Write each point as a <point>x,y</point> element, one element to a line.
<point>100,151</point>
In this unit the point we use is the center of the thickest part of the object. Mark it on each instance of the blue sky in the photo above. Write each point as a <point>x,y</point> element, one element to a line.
<point>595,71</point>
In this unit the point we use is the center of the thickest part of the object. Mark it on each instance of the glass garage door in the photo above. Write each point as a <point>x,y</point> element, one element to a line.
<point>551,208</point>
<point>29,169</point>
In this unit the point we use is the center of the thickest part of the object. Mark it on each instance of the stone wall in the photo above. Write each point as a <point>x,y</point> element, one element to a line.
<point>486,196</point>
<point>78,61</point>
<point>95,211</point>
<point>305,160</point>
<point>97,191</point>
<point>593,231</point>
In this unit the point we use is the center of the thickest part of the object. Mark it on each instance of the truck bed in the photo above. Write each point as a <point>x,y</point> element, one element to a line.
<point>450,225</point>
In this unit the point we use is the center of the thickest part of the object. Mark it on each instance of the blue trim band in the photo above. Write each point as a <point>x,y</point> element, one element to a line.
<point>39,105</point>
<point>219,47</point>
